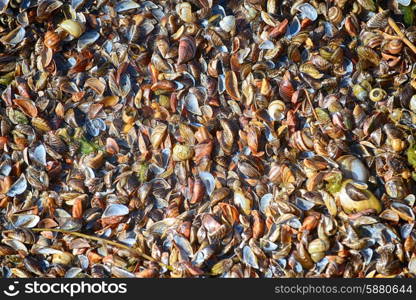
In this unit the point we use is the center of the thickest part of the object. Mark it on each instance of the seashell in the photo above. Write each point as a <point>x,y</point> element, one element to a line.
<point>279,30</point>
<point>158,135</point>
<point>52,40</point>
<point>396,188</point>
<point>320,63</point>
<point>115,210</point>
<point>335,15</point>
<point>293,53</point>
<point>28,107</point>
<point>164,86</point>
<point>96,161</point>
<point>286,90</point>
<point>6,250</point>
<point>394,46</point>
<point>310,70</point>
<point>404,211</point>
<point>110,101</point>
<point>39,155</point>
<point>231,85</point>
<point>242,201</point>
<point>123,6</point>
<point>184,10</point>
<point>404,2</point>
<point>248,170</point>
<point>353,168</point>
<point>354,197</point>
<point>351,25</point>
<point>329,203</point>
<point>265,202</point>
<point>218,195</point>
<point>98,85</point>
<point>293,29</point>
<point>276,110</point>
<point>192,105</point>
<point>182,152</point>
<point>87,39</point>
<point>250,258</point>
<point>198,191</point>
<point>14,37</point>
<point>307,11</point>
<point>63,258</point>
<point>412,263</point>
<point>389,215</point>
<point>302,140</point>
<point>73,272</point>
<point>379,20</point>
<point>229,213</point>
<point>162,45</point>
<point>187,49</point>
<point>121,273</point>
<point>282,173</point>
<point>74,28</point>
<point>18,187</point>
<point>25,221</point>
<point>377,94</point>
<point>367,4</point>
<point>32,265</point>
<point>317,249</point>
<point>111,146</point>
<point>227,23</point>
<point>368,54</point>
<point>209,182</point>
<point>76,4</point>
<point>360,92</point>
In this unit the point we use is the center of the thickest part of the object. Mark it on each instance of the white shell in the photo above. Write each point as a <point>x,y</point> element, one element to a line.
<point>192,105</point>
<point>227,23</point>
<point>19,187</point>
<point>115,210</point>
<point>308,11</point>
<point>209,182</point>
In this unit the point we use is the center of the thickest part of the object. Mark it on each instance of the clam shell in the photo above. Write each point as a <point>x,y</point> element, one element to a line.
<point>209,182</point>
<point>18,187</point>
<point>227,23</point>
<point>192,105</point>
<point>404,2</point>
<point>87,39</point>
<point>250,258</point>
<point>187,49</point>
<point>123,6</point>
<point>307,11</point>
<point>14,37</point>
<point>39,154</point>
<point>26,221</point>
<point>114,210</point>
<point>231,85</point>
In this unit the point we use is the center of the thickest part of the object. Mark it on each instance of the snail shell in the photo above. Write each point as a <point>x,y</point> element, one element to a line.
<point>354,197</point>
<point>394,46</point>
<point>335,15</point>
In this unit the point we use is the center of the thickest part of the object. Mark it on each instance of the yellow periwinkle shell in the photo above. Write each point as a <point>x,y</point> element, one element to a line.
<point>182,152</point>
<point>354,197</point>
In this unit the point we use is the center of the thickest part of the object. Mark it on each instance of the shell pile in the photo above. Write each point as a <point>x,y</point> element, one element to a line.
<point>205,138</point>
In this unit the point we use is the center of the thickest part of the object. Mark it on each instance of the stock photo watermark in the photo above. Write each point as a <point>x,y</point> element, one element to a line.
<point>70,289</point>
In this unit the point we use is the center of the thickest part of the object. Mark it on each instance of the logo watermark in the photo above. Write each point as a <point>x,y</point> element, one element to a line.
<point>70,289</point>
<point>11,290</point>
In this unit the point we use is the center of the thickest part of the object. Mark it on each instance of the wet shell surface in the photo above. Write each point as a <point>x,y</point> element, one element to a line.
<point>207,138</point>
